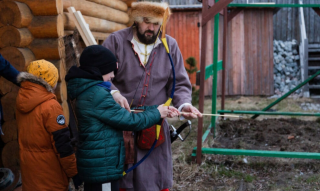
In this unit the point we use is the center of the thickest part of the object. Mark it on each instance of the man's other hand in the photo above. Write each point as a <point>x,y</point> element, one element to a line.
<point>193,112</point>
<point>122,101</point>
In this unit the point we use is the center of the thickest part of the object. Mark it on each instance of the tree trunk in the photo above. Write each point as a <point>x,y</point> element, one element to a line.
<point>18,57</point>
<point>7,86</point>
<point>61,66</point>
<point>47,26</point>
<point>65,111</point>
<point>61,91</point>
<point>10,154</point>
<point>11,36</point>
<point>10,131</point>
<point>8,103</point>
<point>49,49</point>
<point>95,24</point>
<point>95,10</point>
<point>96,35</point>
<point>15,14</point>
<point>116,4</point>
<point>44,7</point>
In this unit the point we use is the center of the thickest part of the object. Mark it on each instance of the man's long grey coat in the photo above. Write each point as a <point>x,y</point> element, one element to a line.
<point>155,173</point>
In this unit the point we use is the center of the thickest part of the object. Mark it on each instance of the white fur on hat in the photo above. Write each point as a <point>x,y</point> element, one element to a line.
<point>152,11</point>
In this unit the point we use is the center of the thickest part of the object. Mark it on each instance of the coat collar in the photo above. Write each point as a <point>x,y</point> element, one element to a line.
<point>25,76</point>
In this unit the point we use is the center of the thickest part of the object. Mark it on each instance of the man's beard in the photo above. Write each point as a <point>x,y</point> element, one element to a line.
<point>146,40</point>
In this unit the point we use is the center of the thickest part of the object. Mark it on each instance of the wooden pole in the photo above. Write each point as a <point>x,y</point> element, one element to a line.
<point>95,10</point>
<point>44,7</point>
<point>116,4</point>
<point>202,79</point>
<point>61,91</point>
<point>65,111</point>
<point>95,24</point>
<point>47,26</point>
<point>96,35</point>
<point>16,37</point>
<point>15,14</point>
<point>61,66</point>
<point>224,55</point>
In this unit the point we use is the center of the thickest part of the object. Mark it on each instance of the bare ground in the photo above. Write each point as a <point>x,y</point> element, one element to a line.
<point>240,173</point>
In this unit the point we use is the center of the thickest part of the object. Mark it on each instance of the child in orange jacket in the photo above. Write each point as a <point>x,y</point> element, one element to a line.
<point>47,158</point>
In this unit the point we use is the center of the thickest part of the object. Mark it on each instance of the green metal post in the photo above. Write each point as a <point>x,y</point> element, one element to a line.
<point>288,93</point>
<point>215,72</point>
<point>269,113</point>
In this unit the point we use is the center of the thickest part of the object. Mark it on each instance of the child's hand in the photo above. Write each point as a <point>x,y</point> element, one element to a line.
<point>164,110</point>
<point>173,112</point>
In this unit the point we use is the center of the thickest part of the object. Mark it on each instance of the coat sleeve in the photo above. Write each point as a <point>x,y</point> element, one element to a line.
<point>8,71</point>
<point>111,113</point>
<point>183,89</point>
<point>60,138</point>
<point>112,43</point>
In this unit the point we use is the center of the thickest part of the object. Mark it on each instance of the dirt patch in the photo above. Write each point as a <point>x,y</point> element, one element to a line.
<point>269,134</point>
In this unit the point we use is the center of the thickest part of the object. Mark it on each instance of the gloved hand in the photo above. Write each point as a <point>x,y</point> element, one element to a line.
<point>77,181</point>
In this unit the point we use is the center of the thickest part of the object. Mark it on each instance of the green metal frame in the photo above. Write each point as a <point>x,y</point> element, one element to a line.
<point>215,68</point>
<point>209,69</point>
<point>273,5</point>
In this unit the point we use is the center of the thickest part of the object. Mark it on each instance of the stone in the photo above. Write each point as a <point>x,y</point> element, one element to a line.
<point>282,45</point>
<point>295,52</point>
<point>297,57</point>
<point>275,43</point>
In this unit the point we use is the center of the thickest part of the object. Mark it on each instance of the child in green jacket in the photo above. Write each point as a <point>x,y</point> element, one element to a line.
<point>101,151</point>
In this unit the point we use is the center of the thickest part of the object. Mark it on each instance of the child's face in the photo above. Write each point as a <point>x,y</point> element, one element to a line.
<point>108,77</point>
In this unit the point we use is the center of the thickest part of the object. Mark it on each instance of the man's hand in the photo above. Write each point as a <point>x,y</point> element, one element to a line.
<point>173,112</point>
<point>193,112</point>
<point>122,101</point>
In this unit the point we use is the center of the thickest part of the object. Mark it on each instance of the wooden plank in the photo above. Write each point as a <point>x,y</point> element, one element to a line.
<point>242,55</point>
<point>236,54</point>
<point>271,80</point>
<point>210,13</point>
<point>312,19</point>
<point>246,49</point>
<point>279,20</point>
<point>251,48</point>
<point>284,22</point>
<point>234,13</point>
<point>260,50</point>
<point>229,68</point>
<point>289,17</point>
<point>265,53</point>
<point>254,52</point>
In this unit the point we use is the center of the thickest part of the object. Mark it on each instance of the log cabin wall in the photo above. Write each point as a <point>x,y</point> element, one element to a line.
<point>35,29</point>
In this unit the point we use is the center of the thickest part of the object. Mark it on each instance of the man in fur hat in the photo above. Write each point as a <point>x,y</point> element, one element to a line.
<point>145,78</point>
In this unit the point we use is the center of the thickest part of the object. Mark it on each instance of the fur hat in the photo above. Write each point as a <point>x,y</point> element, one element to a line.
<point>152,11</point>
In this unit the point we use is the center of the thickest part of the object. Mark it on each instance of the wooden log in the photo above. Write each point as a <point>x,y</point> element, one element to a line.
<point>44,7</point>
<point>61,91</point>
<point>15,14</point>
<point>128,2</point>
<point>7,86</point>
<point>12,36</point>
<point>65,111</point>
<point>18,57</point>
<point>47,26</point>
<point>8,102</point>
<point>95,24</point>
<point>10,154</point>
<point>61,66</point>
<point>95,10</point>
<point>116,4</point>
<point>10,131</point>
<point>96,35</point>
<point>49,48</point>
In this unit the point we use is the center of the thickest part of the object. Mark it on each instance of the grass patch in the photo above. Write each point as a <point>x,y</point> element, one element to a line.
<point>313,179</point>
<point>235,174</point>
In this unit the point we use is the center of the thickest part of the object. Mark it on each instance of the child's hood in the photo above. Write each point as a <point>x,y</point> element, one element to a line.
<point>32,93</point>
<point>79,80</point>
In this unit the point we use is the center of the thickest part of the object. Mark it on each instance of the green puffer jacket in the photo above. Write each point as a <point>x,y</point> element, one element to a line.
<point>101,151</point>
